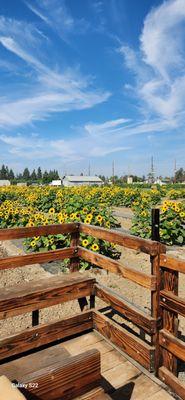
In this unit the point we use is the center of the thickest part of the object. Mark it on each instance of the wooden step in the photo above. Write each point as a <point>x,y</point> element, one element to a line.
<point>53,373</point>
<point>34,295</point>
<point>66,378</point>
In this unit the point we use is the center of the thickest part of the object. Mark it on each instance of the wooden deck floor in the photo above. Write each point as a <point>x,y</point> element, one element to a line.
<point>121,379</point>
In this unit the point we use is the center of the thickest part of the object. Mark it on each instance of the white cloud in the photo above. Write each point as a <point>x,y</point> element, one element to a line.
<point>48,90</point>
<point>159,64</point>
<point>75,149</point>
<point>56,14</point>
<point>105,128</point>
<point>40,106</point>
<point>162,38</point>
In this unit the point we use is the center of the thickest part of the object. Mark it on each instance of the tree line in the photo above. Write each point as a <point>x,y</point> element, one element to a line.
<point>28,176</point>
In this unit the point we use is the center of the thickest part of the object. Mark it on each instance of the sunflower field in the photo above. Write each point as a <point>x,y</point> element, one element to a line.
<point>34,206</point>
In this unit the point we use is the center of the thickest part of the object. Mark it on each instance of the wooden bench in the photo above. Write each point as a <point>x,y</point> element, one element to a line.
<point>34,295</point>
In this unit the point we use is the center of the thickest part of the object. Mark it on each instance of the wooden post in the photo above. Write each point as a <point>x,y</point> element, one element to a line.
<point>155,295</point>
<point>155,224</point>
<point>75,239</point>
<point>169,281</point>
<point>75,263</point>
<point>170,318</point>
<point>35,317</point>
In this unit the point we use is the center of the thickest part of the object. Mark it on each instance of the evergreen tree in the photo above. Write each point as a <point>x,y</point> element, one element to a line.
<point>26,174</point>
<point>45,177</point>
<point>180,175</point>
<point>33,176</point>
<point>39,173</point>
<point>3,172</point>
<point>11,175</point>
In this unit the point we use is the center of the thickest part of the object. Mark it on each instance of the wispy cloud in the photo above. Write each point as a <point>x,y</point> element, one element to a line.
<point>57,15</point>
<point>159,64</point>
<point>49,90</point>
<point>75,149</point>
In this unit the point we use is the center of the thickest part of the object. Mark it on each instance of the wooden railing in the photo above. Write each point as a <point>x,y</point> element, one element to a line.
<point>172,348</point>
<point>158,355</point>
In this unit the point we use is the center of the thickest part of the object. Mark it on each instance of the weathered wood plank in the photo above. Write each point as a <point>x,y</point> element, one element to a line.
<point>47,333</point>
<point>132,242</point>
<point>172,302</point>
<point>34,295</point>
<point>142,279</point>
<point>18,233</point>
<point>172,381</point>
<point>74,262</point>
<point>172,263</point>
<point>121,305</point>
<point>172,344</point>
<point>33,258</point>
<point>155,298</point>
<point>67,379</point>
<point>129,343</point>
<point>169,280</point>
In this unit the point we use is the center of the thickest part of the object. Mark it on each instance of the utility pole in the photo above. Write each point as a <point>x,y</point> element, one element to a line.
<point>175,170</point>
<point>152,170</point>
<point>89,169</point>
<point>113,180</point>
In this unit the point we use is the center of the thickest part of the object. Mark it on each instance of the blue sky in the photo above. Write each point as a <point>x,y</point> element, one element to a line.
<point>92,81</point>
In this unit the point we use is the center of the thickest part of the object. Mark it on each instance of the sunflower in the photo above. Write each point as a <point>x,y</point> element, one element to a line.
<point>95,247</point>
<point>182,214</point>
<point>85,243</point>
<point>99,218</point>
<point>30,224</point>
<point>87,220</point>
<point>33,243</point>
<point>52,210</point>
<point>61,219</point>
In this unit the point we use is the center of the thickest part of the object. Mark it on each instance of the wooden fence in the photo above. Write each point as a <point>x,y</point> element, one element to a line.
<point>158,355</point>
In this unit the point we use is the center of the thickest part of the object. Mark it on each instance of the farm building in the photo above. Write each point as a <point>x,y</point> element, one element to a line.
<point>57,182</point>
<point>22,184</point>
<point>4,182</point>
<point>82,180</point>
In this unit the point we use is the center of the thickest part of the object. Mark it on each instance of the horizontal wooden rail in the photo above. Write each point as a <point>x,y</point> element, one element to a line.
<point>146,280</point>
<point>172,302</point>
<point>132,242</point>
<point>44,334</point>
<point>134,314</point>
<point>18,233</point>
<point>33,258</point>
<point>34,295</point>
<point>140,351</point>
<point>172,344</point>
<point>172,381</point>
<point>172,263</point>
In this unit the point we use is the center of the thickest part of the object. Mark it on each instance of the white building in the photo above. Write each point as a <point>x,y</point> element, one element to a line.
<point>129,179</point>
<point>22,184</point>
<point>4,182</point>
<point>82,180</point>
<point>57,182</point>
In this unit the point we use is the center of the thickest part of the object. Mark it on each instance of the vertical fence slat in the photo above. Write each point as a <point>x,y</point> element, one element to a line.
<point>170,318</point>
<point>155,295</point>
<point>75,264</point>
<point>35,317</point>
<point>75,240</point>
